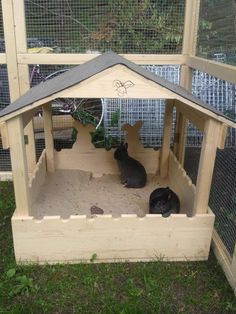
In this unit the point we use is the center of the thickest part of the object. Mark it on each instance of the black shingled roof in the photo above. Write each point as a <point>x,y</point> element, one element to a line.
<point>89,69</point>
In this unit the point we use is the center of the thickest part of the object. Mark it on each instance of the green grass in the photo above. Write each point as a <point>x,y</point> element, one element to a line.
<point>154,287</point>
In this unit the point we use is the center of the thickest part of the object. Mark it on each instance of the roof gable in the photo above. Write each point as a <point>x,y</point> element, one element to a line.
<point>78,75</point>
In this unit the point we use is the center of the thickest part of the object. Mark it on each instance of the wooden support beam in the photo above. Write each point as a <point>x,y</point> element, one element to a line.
<point>10,46</point>
<point>196,117</point>
<point>18,77</point>
<point>19,165</point>
<point>4,135</point>
<point>189,47</point>
<point>23,76</point>
<point>190,26</point>
<point>48,132</point>
<point>222,71</point>
<point>76,58</point>
<point>28,116</point>
<point>180,138</point>
<point>206,166</point>
<point>165,150</point>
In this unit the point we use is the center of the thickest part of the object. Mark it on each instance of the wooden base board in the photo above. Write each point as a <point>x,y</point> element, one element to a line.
<point>127,238</point>
<point>99,161</point>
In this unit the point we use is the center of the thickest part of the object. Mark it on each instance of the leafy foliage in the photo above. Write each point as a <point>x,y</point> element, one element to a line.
<point>144,26</point>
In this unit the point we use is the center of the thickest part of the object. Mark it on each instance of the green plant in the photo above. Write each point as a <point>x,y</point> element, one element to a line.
<point>99,139</point>
<point>93,258</point>
<point>21,284</point>
<point>115,116</point>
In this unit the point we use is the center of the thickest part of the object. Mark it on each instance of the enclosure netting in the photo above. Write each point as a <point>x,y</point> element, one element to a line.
<point>125,26</point>
<point>217,31</point>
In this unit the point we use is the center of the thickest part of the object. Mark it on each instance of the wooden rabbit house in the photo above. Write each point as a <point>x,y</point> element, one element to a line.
<point>73,205</point>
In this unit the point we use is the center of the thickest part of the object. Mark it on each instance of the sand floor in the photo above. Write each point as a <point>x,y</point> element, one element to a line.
<point>75,192</point>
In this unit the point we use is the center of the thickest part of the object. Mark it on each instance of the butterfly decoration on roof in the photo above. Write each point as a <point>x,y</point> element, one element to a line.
<point>121,87</point>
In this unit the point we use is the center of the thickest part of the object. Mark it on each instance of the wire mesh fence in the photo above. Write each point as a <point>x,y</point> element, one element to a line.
<point>5,163</point>
<point>2,45</point>
<point>217,31</point>
<point>223,196</point>
<point>217,93</point>
<point>149,111</point>
<point>122,26</point>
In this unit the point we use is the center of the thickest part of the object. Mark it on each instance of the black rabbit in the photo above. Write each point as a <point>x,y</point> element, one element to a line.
<point>133,174</point>
<point>164,201</point>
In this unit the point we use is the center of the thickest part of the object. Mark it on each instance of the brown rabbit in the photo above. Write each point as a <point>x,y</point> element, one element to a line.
<point>133,173</point>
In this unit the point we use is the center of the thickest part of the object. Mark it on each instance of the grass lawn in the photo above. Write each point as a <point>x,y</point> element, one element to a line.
<point>154,287</point>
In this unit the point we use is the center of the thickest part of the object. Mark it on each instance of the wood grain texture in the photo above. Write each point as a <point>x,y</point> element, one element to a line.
<point>127,238</point>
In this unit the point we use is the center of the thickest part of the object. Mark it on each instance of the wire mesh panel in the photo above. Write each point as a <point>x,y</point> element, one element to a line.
<point>2,44</point>
<point>62,138</point>
<point>5,159</point>
<point>217,31</point>
<point>5,163</point>
<point>217,93</point>
<point>150,111</point>
<point>223,196</point>
<point>151,26</point>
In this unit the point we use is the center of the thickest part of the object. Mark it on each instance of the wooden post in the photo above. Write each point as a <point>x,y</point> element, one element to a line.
<point>23,72</point>
<point>18,76</point>
<point>189,48</point>
<point>48,133</point>
<point>10,47</point>
<point>210,142</point>
<point>19,165</point>
<point>165,150</point>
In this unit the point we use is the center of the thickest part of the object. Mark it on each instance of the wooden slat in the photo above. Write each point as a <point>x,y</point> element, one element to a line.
<point>4,135</point>
<point>196,117</point>
<point>19,165</point>
<point>74,58</point>
<point>23,73</point>
<point>165,150</point>
<point>206,166</point>
<point>28,116</point>
<point>10,46</point>
<point>220,70</point>
<point>179,144</point>
<point>47,116</point>
<point>190,26</point>
<point>127,238</point>
<point>189,47</point>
